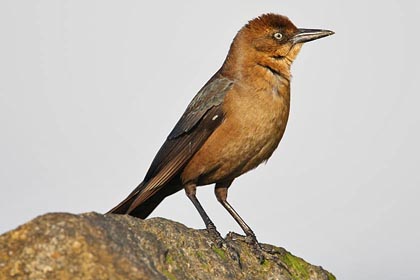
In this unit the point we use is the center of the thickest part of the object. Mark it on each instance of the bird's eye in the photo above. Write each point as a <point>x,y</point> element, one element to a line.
<point>278,36</point>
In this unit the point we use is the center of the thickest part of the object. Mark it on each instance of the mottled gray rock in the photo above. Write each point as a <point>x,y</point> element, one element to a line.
<point>95,246</point>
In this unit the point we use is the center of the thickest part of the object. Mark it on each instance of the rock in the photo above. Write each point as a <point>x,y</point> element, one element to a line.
<point>95,246</point>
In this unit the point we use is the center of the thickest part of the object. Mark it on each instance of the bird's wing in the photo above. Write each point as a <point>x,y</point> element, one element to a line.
<point>211,95</point>
<point>202,116</point>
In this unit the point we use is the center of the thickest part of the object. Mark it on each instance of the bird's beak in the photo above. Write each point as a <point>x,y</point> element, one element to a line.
<point>306,35</point>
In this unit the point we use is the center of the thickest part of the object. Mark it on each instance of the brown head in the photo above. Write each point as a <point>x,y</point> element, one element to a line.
<point>270,41</point>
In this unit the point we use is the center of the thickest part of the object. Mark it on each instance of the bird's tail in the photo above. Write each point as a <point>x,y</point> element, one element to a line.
<point>146,207</point>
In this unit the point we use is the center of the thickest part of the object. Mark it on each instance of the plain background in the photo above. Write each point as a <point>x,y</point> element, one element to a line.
<point>90,89</point>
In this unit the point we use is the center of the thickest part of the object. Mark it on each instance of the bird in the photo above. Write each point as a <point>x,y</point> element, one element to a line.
<point>233,124</point>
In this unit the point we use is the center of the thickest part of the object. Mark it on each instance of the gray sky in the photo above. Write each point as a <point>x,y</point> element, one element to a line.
<point>90,89</point>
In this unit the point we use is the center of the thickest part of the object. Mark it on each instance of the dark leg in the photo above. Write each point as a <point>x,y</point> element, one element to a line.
<point>221,191</point>
<point>190,190</point>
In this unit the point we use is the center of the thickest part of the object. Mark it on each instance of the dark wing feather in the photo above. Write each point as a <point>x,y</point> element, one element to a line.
<point>203,115</point>
<point>212,94</point>
<point>183,136</point>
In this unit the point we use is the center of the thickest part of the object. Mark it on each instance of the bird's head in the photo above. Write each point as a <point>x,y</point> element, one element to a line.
<point>272,39</point>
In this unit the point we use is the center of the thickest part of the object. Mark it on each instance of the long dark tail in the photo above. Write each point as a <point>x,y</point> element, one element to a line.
<point>147,207</point>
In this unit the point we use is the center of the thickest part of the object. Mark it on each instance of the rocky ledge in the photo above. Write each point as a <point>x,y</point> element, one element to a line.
<point>95,246</point>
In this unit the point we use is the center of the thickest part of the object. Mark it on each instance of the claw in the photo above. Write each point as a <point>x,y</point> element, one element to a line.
<point>215,236</point>
<point>256,247</point>
<point>261,251</point>
<point>224,244</point>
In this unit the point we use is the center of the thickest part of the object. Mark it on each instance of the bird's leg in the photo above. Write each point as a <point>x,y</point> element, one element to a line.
<point>190,190</point>
<point>221,191</point>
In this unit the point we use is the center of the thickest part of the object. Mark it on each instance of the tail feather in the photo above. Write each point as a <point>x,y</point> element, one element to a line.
<point>143,210</point>
<point>123,206</point>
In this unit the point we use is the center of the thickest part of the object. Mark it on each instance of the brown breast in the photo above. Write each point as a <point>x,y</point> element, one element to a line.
<point>255,120</point>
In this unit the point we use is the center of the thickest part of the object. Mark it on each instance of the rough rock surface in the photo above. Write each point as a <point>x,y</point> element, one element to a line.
<point>95,246</point>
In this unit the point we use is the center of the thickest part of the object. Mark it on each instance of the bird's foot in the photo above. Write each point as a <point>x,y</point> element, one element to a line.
<point>261,251</point>
<point>215,236</point>
<point>226,245</point>
<point>256,247</point>
<point>250,240</point>
<point>273,254</point>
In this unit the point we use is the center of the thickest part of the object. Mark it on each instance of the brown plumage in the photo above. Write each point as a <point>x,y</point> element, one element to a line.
<point>234,123</point>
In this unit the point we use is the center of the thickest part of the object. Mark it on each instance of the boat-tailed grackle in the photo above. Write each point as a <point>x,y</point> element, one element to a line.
<point>234,123</point>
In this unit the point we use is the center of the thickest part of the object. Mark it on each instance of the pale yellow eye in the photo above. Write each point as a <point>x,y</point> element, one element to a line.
<point>278,36</point>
